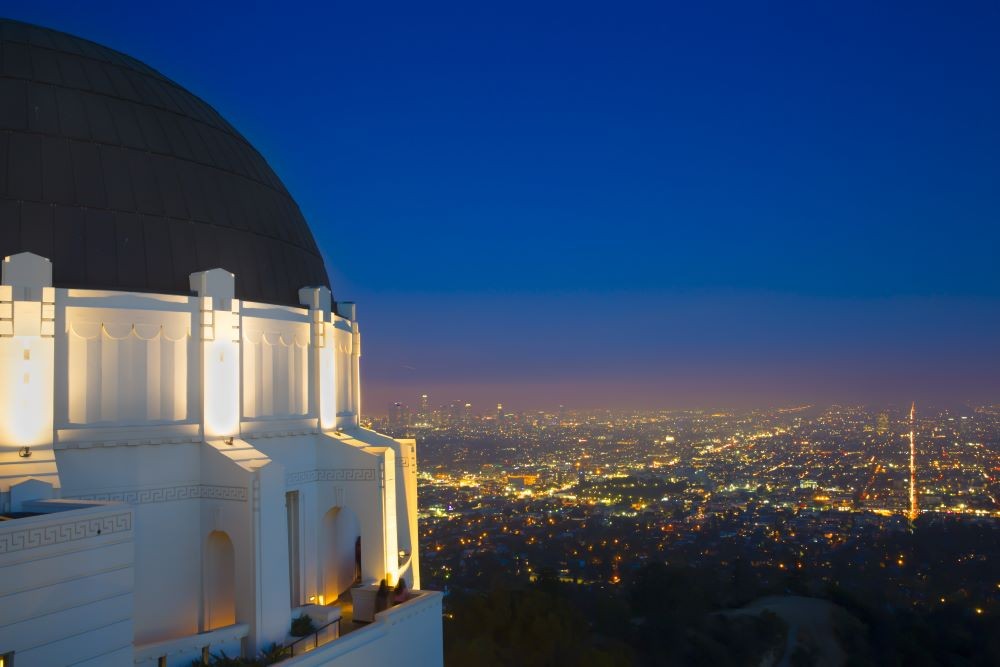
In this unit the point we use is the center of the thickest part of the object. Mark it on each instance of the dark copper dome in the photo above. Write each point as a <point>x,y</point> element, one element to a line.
<point>127,181</point>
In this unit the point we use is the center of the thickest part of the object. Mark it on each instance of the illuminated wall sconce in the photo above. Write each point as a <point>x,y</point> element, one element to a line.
<point>24,452</point>
<point>229,441</point>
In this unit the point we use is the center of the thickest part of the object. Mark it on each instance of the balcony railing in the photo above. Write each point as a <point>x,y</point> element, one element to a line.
<point>324,634</point>
<point>411,629</point>
<point>408,628</point>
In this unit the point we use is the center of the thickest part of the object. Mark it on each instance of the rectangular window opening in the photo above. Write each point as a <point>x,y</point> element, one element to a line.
<point>292,507</point>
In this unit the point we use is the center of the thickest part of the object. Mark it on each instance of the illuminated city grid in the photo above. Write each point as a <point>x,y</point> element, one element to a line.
<point>595,492</point>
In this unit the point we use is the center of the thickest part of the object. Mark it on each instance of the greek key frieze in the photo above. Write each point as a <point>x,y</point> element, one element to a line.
<point>33,537</point>
<point>333,475</point>
<point>166,494</point>
<point>213,492</point>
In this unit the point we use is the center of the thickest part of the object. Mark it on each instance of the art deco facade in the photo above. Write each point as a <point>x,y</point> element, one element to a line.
<point>182,467</point>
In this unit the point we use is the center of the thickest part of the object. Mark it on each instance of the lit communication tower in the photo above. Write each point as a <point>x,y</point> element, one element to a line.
<point>914,510</point>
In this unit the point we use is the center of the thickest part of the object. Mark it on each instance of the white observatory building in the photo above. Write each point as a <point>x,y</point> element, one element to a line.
<point>182,467</point>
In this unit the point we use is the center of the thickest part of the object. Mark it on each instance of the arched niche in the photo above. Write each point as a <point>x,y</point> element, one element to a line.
<point>339,534</point>
<point>220,581</point>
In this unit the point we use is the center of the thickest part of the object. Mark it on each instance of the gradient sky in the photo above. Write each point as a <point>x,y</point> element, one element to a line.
<point>624,204</point>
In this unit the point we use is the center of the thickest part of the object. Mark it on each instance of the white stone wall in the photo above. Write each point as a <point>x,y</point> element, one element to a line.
<point>275,368</point>
<point>66,587</point>
<point>199,413</point>
<point>126,366</point>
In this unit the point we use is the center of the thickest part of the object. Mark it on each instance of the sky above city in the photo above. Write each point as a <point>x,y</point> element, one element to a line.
<point>596,204</point>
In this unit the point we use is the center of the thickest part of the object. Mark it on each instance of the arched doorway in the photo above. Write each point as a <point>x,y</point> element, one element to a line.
<point>340,533</point>
<point>220,581</point>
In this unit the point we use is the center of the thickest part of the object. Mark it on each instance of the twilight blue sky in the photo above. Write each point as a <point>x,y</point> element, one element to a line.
<point>615,203</point>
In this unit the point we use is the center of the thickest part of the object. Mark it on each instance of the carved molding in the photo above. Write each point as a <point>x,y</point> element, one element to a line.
<point>167,494</point>
<point>33,537</point>
<point>333,475</point>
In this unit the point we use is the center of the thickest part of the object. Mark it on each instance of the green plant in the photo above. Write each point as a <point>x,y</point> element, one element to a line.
<point>271,655</point>
<point>302,626</point>
<point>274,653</point>
<point>220,659</point>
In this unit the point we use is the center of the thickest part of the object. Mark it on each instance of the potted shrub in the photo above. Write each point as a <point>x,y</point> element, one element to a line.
<point>302,626</point>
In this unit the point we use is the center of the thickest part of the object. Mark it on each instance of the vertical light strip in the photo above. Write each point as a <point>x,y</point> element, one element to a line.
<point>221,388</point>
<point>327,388</point>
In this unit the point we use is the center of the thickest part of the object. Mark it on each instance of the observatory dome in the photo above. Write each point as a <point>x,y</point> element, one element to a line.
<point>126,181</point>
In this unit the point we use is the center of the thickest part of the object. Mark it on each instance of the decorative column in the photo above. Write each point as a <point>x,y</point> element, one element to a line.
<point>219,319</point>
<point>391,538</point>
<point>322,363</point>
<point>27,370</point>
<point>356,371</point>
<point>352,371</point>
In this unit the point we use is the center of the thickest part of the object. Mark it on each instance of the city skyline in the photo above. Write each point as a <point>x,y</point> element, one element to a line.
<point>425,410</point>
<point>667,206</point>
<point>426,404</point>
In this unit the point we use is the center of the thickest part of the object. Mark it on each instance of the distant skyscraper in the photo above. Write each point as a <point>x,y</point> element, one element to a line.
<point>423,415</point>
<point>499,411</point>
<point>882,423</point>
<point>451,413</point>
<point>399,415</point>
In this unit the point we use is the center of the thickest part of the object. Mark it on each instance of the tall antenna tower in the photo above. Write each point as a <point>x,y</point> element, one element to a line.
<point>914,510</point>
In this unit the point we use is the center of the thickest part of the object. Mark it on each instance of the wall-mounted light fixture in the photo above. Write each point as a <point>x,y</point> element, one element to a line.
<point>229,441</point>
<point>24,452</point>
